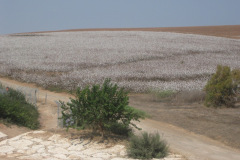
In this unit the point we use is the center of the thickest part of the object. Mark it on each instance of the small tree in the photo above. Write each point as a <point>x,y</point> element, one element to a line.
<point>222,87</point>
<point>99,106</point>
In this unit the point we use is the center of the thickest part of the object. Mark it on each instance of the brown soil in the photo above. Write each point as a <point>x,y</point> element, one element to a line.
<point>219,124</point>
<point>181,122</point>
<point>228,31</point>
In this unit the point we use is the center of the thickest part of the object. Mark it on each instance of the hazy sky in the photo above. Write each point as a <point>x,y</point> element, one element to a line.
<point>40,15</point>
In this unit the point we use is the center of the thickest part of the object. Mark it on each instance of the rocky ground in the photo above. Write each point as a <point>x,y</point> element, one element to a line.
<point>37,145</point>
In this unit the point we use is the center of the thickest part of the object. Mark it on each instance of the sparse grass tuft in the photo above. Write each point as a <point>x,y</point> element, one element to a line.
<point>163,95</point>
<point>147,146</point>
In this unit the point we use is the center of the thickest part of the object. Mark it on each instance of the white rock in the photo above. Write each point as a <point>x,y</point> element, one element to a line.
<point>27,137</point>
<point>3,142</point>
<point>3,136</point>
<point>24,157</point>
<point>37,146</point>
<point>61,156</point>
<point>123,153</point>
<point>37,140</point>
<point>62,145</point>
<point>76,148</point>
<point>6,149</point>
<point>20,143</point>
<point>2,154</point>
<point>41,150</point>
<point>39,132</point>
<point>102,155</point>
<point>45,155</point>
<point>46,143</point>
<point>54,138</point>
<point>50,147</point>
<point>58,150</point>
<point>14,155</point>
<point>51,158</point>
<point>30,151</point>
<point>20,151</point>
<point>16,138</point>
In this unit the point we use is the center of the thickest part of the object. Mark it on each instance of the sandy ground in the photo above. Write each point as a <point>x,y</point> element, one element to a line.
<point>228,31</point>
<point>180,136</point>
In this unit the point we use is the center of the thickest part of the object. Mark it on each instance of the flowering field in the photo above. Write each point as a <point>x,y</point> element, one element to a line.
<point>139,61</point>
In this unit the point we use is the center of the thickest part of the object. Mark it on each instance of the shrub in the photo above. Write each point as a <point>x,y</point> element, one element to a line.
<point>99,107</point>
<point>222,87</point>
<point>14,107</point>
<point>147,146</point>
<point>163,95</point>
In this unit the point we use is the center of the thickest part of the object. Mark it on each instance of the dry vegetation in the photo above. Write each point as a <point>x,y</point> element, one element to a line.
<point>139,61</point>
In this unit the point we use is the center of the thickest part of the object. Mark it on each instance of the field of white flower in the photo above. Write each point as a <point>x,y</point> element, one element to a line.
<point>137,60</point>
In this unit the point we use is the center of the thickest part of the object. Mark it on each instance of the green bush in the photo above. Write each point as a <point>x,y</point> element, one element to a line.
<point>14,107</point>
<point>147,146</point>
<point>222,87</point>
<point>163,95</point>
<point>99,107</point>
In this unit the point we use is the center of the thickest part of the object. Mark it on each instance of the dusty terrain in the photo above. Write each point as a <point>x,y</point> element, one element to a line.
<point>178,124</point>
<point>218,124</point>
<point>228,31</point>
<point>189,127</point>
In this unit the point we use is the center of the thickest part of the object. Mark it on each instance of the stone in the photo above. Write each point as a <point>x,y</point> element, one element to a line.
<point>58,150</point>
<point>3,136</point>
<point>3,142</point>
<point>20,143</point>
<point>24,157</point>
<point>93,158</point>
<point>14,155</point>
<point>41,150</point>
<point>61,156</point>
<point>27,137</point>
<point>2,154</point>
<point>102,155</point>
<point>39,132</point>
<point>123,153</point>
<point>62,145</point>
<point>37,140</point>
<point>37,146</point>
<point>30,151</point>
<point>54,138</point>
<point>20,151</point>
<point>6,149</point>
<point>76,148</point>
<point>51,158</point>
<point>16,138</point>
<point>46,143</point>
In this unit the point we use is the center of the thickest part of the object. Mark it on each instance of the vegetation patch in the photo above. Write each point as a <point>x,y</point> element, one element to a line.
<point>163,95</point>
<point>15,109</point>
<point>101,107</point>
<point>147,146</point>
<point>223,87</point>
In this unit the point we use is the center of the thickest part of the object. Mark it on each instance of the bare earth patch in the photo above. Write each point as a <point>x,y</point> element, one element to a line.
<point>218,124</point>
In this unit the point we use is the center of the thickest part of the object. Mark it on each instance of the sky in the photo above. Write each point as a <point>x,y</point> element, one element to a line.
<point>17,16</point>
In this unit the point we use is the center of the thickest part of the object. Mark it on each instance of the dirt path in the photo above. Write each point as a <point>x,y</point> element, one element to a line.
<point>192,146</point>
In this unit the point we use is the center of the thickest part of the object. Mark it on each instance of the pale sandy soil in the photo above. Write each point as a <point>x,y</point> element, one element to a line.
<point>191,145</point>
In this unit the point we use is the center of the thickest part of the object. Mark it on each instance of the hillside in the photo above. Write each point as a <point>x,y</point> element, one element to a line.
<point>228,31</point>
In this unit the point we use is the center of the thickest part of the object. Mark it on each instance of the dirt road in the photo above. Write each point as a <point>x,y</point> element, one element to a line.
<point>194,147</point>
